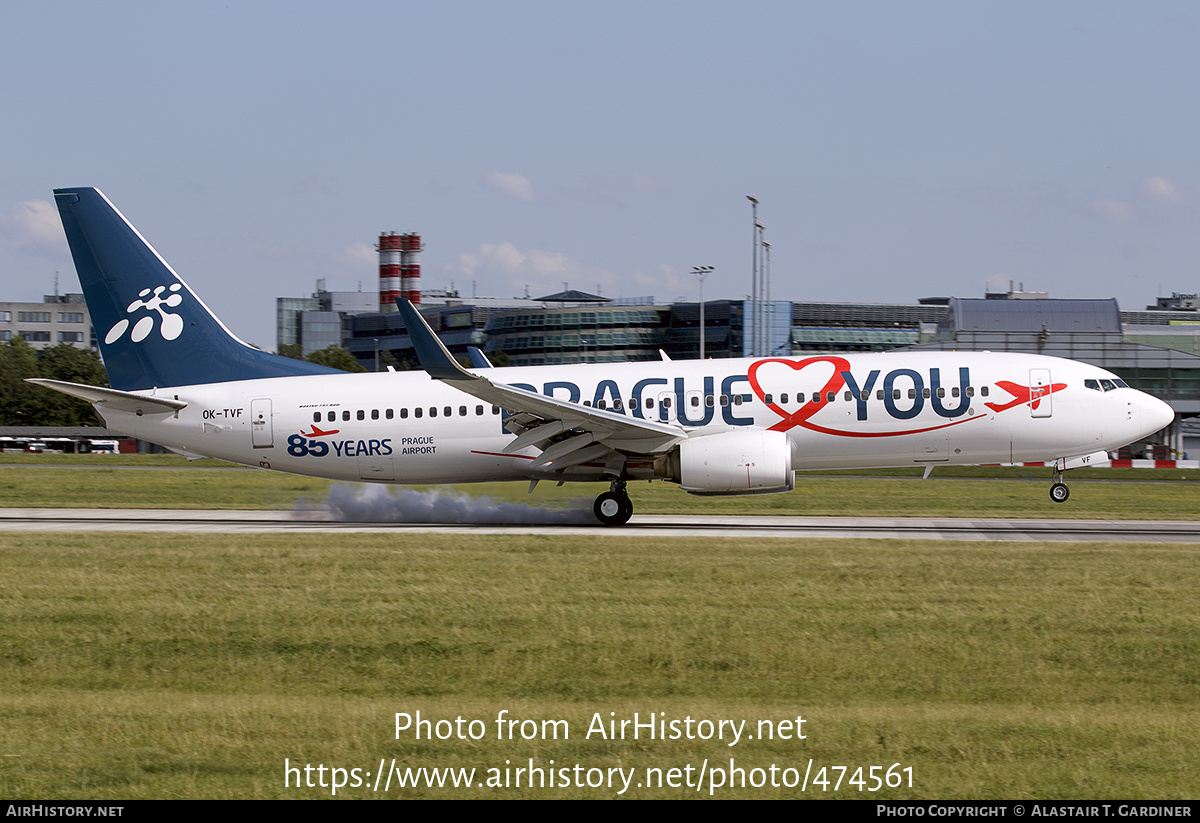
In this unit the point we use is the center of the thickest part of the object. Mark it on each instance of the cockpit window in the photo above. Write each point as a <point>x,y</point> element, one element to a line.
<point>1121,383</point>
<point>1108,385</point>
<point>1094,385</point>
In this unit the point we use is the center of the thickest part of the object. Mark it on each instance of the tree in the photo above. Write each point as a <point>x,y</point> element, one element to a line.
<point>74,365</point>
<point>19,401</point>
<point>292,350</point>
<point>336,357</point>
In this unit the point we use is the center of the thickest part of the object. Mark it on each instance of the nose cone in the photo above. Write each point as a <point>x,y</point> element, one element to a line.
<point>1153,414</point>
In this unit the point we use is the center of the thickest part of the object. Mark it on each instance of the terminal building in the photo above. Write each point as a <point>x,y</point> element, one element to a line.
<point>57,319</point>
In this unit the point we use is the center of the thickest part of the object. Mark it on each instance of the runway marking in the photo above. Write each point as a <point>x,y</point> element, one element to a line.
<point>908,528</point>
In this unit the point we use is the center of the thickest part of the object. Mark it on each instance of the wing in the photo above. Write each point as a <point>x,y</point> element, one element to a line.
<point>580,433</point>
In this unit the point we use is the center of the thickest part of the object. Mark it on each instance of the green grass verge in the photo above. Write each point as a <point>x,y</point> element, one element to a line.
<point>1009,496</point>
<point>193,665</point>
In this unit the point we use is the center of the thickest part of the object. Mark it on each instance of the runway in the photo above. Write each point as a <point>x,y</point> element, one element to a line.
<point>909,528</point>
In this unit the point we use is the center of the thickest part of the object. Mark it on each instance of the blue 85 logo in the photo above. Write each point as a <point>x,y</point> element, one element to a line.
<point>300,446</point>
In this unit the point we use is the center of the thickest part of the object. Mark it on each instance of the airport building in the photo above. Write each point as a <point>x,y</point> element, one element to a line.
<point>57,319</point>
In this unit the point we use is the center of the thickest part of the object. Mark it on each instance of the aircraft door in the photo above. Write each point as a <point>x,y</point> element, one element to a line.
<point>260,423</point>
<point>666,407</point>
<point>1039,393</point>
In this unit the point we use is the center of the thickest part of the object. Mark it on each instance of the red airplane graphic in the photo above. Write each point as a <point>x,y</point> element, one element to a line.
<point>1024,394</point>
<point>318,432</point>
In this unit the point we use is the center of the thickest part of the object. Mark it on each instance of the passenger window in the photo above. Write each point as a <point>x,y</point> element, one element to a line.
<point>495,409</point>
<point>970,391</point>
<point>925,393</point>
<point>912,394</point>
<point>649,402</point>
<point>332,416</point>
<point>346,414</point>
<point>724,400</point>
<point>866,395</point>
<point>433,411</point>
<point>462,411</point>
<point>816,398</point>
<point>848,396</point>
<point>983,391</point>
<point>418,411</point>
<point>388,414</point>
<point>895,394</point>
<point>782,398</point>
<point>404,414</point>
<point>374,414</point>
<point>447,412</point>
<point>954,392</point>
<point>708,400</point>
<point>479,411</point>
<point>831,396</point>
<point>666,402</point>
<point>738,399</point>
<point>587,403</point>
<point>316,417</point>
<point>695,401</point>
<point>617,404</point>
<point>362,415</point>
<point>941,392</point>
<point>602,404</point>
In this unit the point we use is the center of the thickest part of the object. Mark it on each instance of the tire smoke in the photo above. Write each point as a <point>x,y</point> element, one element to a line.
<point>368,503</point>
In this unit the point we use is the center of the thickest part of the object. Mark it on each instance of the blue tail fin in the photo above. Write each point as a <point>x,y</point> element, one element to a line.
<point>153,329</point>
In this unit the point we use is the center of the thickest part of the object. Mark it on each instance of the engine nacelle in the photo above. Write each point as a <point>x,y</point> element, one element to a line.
<point>735,462</point>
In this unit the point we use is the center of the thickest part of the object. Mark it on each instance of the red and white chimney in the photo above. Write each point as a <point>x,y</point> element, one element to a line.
<point>389,271</point>
<point>410,268</point>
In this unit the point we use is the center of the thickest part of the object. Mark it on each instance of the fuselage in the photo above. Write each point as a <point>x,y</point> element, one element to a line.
<point>837,411</point>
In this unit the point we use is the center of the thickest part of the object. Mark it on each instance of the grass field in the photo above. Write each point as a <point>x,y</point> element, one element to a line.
<point>192,666</point>
<point>967,492</point>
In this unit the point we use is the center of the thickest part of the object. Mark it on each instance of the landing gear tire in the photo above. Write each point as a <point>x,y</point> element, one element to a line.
<point>612,509</point>
<point>1059,492</point>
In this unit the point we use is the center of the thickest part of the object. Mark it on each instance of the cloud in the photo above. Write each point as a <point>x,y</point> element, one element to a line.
<point>359,253</point>
<point>504,267</point>
<point>1160,189</point>
<point>1148,197</point>
<point>1114,211</point>
<point>511,185</point>
<point>33,223</point>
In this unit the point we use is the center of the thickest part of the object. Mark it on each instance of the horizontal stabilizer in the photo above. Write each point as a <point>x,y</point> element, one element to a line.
<point>122,400</point>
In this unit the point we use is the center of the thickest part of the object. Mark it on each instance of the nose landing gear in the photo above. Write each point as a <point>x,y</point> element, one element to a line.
<point>613,507</point>
<point>1059,491</point>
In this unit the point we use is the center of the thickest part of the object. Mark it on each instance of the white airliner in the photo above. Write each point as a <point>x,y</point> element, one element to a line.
<point>716,427</point>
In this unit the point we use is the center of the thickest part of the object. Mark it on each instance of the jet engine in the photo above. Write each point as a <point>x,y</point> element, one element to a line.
<point>734,462</point>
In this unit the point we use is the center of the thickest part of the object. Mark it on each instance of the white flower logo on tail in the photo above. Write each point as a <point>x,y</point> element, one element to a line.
<point>172,324</point>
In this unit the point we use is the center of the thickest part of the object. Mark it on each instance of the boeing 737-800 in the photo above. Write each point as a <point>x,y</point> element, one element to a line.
<point>180,378</point>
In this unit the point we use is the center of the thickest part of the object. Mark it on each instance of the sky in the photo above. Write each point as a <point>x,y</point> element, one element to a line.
<point>897,150</point>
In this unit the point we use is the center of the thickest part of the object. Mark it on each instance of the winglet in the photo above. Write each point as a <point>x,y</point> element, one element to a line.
<point>434,357</point>
<point>479,360</point>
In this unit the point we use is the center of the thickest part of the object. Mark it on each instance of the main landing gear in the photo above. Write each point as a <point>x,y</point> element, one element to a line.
<point>1059,491</point>
<point>613,507</point>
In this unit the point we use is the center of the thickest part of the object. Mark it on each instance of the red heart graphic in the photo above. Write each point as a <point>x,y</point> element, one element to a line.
<point>790,420</point>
